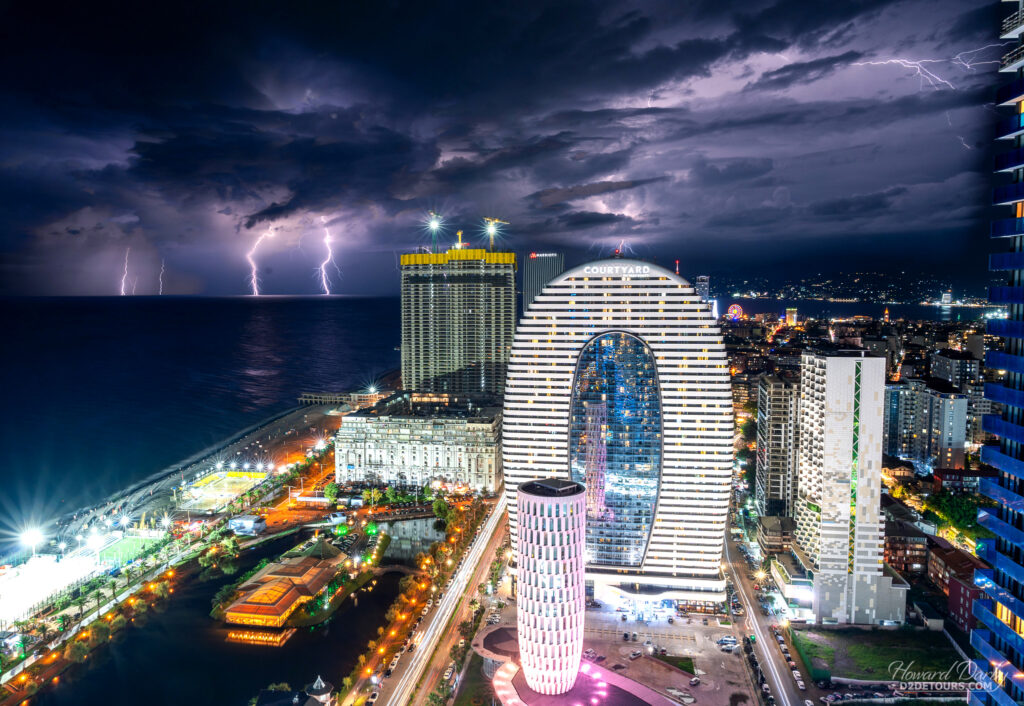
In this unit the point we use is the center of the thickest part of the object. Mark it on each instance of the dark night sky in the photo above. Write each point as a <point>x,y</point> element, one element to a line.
<point>745,136</point>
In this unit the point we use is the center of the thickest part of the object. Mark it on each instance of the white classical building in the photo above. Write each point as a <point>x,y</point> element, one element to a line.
<point>839,531</point>
<point>415,438</point>
<point>618,379</point>
<point>551,598</point>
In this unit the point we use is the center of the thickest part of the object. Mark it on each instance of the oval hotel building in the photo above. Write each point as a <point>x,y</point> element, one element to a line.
<point>618,380</point>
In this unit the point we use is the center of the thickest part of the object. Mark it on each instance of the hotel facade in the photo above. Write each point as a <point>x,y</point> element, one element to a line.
<point>618,379</point>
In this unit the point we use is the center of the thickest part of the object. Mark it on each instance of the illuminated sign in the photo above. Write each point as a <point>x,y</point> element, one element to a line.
<point>535,255</point>
<point>617,270</point>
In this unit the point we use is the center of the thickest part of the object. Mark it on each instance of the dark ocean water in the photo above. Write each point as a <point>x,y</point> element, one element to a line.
<point>100,392</point>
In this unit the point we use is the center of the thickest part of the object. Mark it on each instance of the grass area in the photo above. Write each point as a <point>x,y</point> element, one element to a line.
<point>724,622</point>
<point>868,654</point>
<point>126,549</point>
<point>684,663</point>
<point>475,689</point>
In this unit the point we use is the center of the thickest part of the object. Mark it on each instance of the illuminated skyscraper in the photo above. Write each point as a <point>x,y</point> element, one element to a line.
<point>703,287</point>
<point>458,317</point>
<point>838,528</point>
<point>619,379</point>
<point>778,417</point>
<point>551,596</point>
<point>1000,613</point>
<point>539,268</point>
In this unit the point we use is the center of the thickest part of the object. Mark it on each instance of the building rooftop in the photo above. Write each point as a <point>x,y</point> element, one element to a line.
<point>958,473</point>
<point>423,405</point>
<point>953,354</point>
<point>551,487</point>
<point>900,528</point>
<point>777,524</point>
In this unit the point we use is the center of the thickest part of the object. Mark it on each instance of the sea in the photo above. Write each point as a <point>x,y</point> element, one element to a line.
<point>98,393</point>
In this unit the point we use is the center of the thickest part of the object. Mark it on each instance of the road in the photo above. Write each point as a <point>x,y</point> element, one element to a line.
<point>398,690</point>
<point>777,672</point>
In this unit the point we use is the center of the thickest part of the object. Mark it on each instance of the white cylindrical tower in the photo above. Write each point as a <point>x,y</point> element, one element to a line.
<point>551,592</point>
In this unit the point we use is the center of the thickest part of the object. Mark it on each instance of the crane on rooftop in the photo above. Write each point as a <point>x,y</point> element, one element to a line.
<point>492,229</point>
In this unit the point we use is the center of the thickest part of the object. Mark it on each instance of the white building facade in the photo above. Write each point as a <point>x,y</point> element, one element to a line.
<point>618,379</point>
<point>840,533</point>
<point>413,439</point>
<point>551,598</point>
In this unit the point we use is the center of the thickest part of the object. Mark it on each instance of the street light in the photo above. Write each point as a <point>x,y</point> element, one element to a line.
<point>32,537</point>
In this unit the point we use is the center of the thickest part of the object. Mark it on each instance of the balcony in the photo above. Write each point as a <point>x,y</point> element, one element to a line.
<point>1010,127</point>
<point>1003,261</point>
<point>1007,328</point>
<point>1008,194</point>
<point>1012,26</point>
<point>989,521</point>
<point>1010,568</point>
<point>1006,228</point>
<point>994,457</point>
<point>1005,395</point>
<point>1006,295</point>
<point>1010,93</point>
<point>1013,60</point>
<point>990,488</point>
<point>1008,161</point>
<point>1004,361</point>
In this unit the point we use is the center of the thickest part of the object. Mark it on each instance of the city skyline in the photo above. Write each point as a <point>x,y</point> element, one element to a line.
<point>302,153</point>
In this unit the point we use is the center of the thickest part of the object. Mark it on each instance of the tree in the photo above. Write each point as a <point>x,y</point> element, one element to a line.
<point>441,509</point>
<point>99,632</point>
<point>346,683</point>
<point>76,651</point>
<point>331,492</point>
<point>391,494</point>
<point>428,493</point>
<point>161,589</point>
<point>118,623</point>
<point>280,686</point>
<point>466,629</point>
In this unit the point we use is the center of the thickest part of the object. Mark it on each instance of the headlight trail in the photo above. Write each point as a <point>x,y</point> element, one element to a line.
<point>254,280</point>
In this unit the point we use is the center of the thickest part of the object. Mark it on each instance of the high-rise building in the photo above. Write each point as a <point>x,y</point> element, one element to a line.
<point>956,367</point>
<point>839,531</point>
<point>551,594</point>
<point>703,287</point>
<point>539,268</point>
<point>458,318</point>
<point>778,408</point>
<point>926,423</point>
<point>947,298</point>
<point>997,638</point>
<point>791,316</point>
<point>619,379</point>
<point>416,438</point>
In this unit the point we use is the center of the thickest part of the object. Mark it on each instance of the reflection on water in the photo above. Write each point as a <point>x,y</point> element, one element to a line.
<point>179,655</point>
<point>410,537</point>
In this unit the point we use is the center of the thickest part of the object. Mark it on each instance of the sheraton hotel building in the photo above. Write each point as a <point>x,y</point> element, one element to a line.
<point>618,380</point>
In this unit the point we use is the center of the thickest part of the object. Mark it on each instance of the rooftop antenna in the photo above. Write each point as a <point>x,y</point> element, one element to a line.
<point>492,228</point>
<point>677,267</point>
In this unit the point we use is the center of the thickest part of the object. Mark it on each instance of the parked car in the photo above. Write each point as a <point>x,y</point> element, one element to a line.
<point>373,698</point>
<point>625,637</point>
<point>695,681</point>
<point>635,654</point>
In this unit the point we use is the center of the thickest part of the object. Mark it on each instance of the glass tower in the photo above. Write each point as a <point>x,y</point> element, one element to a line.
<point>999,637</point>
<point>615,446</point>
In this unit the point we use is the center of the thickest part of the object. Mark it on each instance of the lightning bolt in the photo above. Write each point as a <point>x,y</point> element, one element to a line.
<point>325,282</point>
<point>161,278</point>
<point>254,280</point>
<point>928,77</point>
<point>124,277</point>
<point>135,283</point>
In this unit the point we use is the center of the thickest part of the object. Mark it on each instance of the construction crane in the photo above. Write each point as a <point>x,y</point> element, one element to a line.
<point>492,229</point>
<point>459,233</point>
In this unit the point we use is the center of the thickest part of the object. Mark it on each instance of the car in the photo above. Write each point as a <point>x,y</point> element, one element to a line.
<point>625,637</point>
<point>808,702</point>
<point>430,603</point>
<point>800,685</point>
<point>387,672</point>
<point>705,621</point>
<point>635,636</point>
<point>462,643</point>
<point>728,648</point>
<point>663,652</point>
<point>671,620</point>
<point>372,698</point>
<point>695,681</point>
<point>635,654</point>
<point>623,617</point>
<point>448,673</point>
<point>765,689</point>
<point>411,648</point>
<point>769,699</point>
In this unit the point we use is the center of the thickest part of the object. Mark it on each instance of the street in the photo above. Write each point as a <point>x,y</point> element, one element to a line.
<point>777,672</point>
<point>431,655</point>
